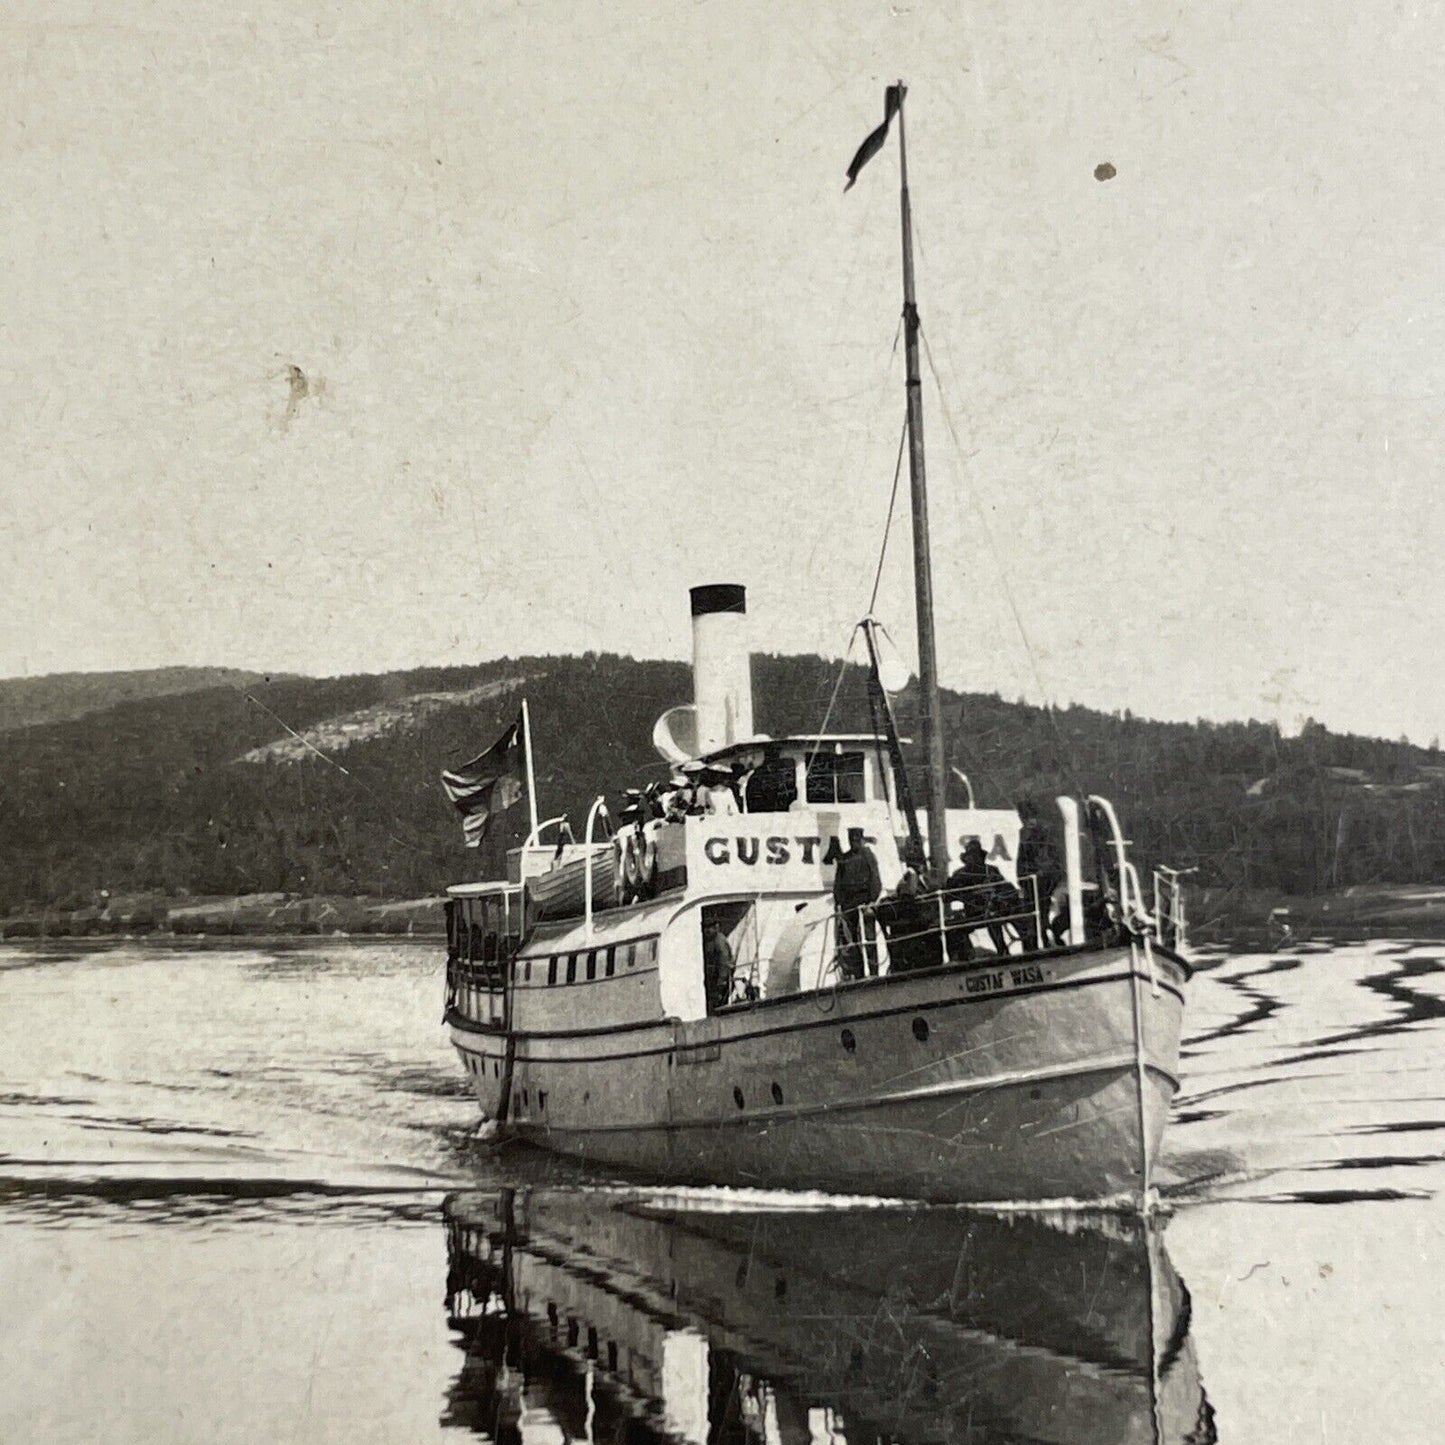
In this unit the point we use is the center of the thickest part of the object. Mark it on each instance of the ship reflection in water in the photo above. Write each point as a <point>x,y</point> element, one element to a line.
<point>590,1318</point>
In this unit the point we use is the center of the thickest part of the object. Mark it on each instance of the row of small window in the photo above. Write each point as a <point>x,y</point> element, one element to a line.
<point>588,964</point>
<point>568,1329</point>
<point>481,1005</point>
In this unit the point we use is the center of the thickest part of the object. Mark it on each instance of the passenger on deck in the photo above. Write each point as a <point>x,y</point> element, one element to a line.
<point>1038,859</point>
<point>694,798</point>
<point>1101,914</point>
<point>677,796</point>
<point>722,797</point>
<point>911,884</point>
<point>856,887</point>
<point>912,940</point>
<point>984,893</point>
<point>717,965</point>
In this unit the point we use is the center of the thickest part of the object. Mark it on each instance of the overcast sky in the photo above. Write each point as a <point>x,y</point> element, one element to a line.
<point>585,317</point>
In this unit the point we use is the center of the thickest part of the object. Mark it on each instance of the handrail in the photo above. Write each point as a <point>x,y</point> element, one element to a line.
<point>1140,927</point>
<point>599,806</point>
<point>1131,894</point>
<point>1169,912</point>
<point>534,838</point>
<point>945,901</point>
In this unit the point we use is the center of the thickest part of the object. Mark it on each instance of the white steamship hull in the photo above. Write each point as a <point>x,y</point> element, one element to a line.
<point>989,1081</point>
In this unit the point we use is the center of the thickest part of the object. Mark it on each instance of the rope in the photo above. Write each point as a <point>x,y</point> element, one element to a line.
<point>892,502</point>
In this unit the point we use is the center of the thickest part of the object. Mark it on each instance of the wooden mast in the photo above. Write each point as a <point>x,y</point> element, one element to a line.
<point>930,706</point>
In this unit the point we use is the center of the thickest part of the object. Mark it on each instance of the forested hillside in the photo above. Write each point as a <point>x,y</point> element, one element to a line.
<point>157,793</point>
<point>61,695</point>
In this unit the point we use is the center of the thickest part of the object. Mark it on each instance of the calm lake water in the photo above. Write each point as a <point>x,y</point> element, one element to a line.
<point>239,1201</point>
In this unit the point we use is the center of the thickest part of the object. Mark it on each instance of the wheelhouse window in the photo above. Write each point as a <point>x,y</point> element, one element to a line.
<point>773,785</point>
<point>835,778</point>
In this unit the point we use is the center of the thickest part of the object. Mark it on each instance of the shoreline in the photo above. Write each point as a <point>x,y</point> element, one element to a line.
<point>1217,916</point>
<point>1367,910</point>
<point>251,916</point>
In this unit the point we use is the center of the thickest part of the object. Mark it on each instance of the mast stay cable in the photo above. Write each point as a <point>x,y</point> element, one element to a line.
<point>1066,752</point>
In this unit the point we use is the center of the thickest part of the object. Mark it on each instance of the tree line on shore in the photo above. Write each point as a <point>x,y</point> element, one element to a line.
<point>155,795</point>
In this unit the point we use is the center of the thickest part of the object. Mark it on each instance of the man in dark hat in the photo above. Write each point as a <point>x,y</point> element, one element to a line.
<point>983,893</point>
<point>856,886</point>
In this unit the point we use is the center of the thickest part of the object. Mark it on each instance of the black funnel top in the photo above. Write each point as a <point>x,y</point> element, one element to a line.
<point>718,597</point>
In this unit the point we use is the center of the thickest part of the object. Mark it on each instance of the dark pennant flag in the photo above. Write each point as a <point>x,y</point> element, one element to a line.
<point>874,143</point>
<point>488,784</point>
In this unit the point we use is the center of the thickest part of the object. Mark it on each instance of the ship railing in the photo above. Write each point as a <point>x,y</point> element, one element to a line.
<point>901,934</point>
<point>941,926</point>
<point>1141,925</point>
<point>1169,913</point>
<point>476,987</point>
<point>1131,895</point>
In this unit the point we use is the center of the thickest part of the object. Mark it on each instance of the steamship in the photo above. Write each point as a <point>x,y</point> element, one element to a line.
<point>896,1053</point>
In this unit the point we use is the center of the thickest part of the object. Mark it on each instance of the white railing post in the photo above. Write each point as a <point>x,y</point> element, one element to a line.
<point>535,836</point>
<point>598,806</point>
<point>1073,868</point>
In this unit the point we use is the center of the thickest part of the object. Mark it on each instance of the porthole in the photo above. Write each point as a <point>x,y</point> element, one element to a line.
<point>849,1042</point>
<point>777,1093</point>
<point>737,1096</point>
<point>920,1029</point>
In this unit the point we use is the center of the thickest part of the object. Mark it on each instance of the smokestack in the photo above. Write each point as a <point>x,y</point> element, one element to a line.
<point>721,680</point>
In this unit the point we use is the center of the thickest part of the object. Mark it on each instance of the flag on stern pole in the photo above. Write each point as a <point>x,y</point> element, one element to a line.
<point>874,143</point>
<point>489,783</point>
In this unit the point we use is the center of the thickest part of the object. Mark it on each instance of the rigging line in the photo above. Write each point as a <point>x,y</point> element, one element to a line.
<point>1067,753</point>
<point>412,843</point>
<point>305,743</point>
<point>888,523</point>
<point>837,688</point>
